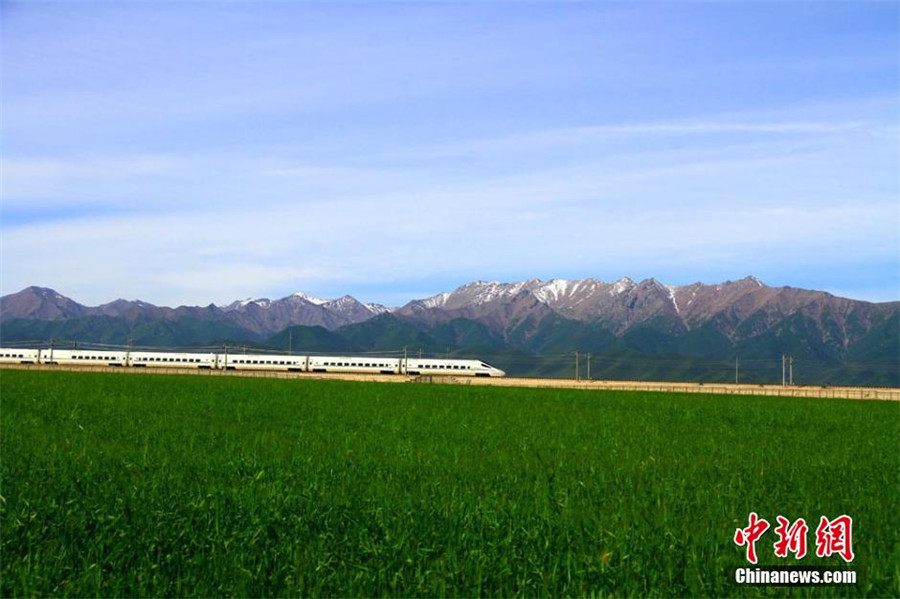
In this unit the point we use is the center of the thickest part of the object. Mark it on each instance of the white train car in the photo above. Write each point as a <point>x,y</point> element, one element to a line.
<point>419,366</point>
<point>262,362</point>
<point>10,355</point>
<point>83,357</point>
<point>146,359</point>
<point>354,364</point>
<point>245,361</point>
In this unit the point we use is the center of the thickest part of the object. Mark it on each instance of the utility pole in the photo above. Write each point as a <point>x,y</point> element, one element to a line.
<point>576,364</point>
<point>225,367</point>
<point>783,373</point>
<point>735,370</point>
<point>589,366</point>
<point>290,342</point>
<point>791,369</point>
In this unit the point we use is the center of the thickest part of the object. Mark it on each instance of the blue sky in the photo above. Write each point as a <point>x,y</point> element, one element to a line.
<point>188,153</point>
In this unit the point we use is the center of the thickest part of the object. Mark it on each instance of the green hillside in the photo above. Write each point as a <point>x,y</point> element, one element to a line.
<point>542,348</point>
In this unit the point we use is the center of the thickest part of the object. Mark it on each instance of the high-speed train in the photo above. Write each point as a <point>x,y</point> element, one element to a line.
<point>245,361</point>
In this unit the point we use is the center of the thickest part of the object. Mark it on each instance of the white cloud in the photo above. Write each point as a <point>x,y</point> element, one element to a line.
<point>57,181</point>
<point>737,195</point>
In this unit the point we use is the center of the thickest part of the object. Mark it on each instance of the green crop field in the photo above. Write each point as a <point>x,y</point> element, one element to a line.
<point>149,485</point>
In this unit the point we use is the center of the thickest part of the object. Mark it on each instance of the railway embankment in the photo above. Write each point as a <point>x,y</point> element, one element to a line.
<point>837,392</point>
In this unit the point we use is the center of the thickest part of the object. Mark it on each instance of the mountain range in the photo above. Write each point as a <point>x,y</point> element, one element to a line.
<point>645,329</point>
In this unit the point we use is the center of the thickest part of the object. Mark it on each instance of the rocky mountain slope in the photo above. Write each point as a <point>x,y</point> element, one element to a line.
<point>736,309</point>
<point>743,318</point>
<point>260,317</point>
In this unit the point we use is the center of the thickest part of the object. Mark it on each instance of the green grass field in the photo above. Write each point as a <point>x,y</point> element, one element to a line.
<point>150,485</point>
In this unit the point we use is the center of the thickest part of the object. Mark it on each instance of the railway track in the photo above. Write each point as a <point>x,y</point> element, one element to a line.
<point>864,393</point>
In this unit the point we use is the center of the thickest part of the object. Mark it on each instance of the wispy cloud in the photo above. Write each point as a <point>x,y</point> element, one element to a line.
<point>206,152</point>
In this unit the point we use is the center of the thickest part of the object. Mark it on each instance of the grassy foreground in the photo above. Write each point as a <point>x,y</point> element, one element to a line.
<point>142,485</point>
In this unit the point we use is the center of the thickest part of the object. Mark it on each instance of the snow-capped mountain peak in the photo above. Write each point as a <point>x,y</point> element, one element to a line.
<point>436,301</point>
<point>310,298</point>
<point>553,289</point>
<point>621,286</point>
<point>261,302</point>
<point>377,308</point>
